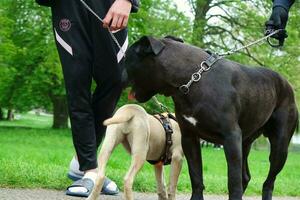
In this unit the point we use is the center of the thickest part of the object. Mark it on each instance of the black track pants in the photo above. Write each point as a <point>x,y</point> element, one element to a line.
<point>88,52</point>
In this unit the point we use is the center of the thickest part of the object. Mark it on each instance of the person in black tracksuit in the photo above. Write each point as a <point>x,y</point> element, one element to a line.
<point>87,51</point>
<point>279,18</point>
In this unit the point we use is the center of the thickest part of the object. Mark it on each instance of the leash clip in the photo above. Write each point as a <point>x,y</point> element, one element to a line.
<point>278,34</point>
<point>184,89</point>
<point>278,45</point>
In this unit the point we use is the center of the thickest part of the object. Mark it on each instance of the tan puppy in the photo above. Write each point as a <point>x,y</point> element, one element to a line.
<point>144,138</point>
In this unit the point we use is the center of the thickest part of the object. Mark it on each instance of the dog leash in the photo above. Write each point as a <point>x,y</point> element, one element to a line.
<point>101,20</point>
<point>206,65</point>
<point>162,107</point>
<point>230,52</point>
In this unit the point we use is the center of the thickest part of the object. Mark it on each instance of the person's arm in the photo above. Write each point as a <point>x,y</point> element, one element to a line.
<point>118,14</point>
<point>279,19</point>
<point>286,4</point>
<point>135,5</point>
<point>280,13</point>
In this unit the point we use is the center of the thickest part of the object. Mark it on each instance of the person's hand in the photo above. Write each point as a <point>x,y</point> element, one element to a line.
<point>278,20</point>
<point>117,16</point>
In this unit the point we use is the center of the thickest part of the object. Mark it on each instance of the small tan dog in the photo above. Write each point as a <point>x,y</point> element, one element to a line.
<point>143,136</point>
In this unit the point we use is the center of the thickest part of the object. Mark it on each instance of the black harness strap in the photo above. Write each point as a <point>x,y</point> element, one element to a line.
<point>166,158</point>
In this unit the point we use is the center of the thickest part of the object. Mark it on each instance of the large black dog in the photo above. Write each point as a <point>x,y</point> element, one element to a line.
<point>231,105</point>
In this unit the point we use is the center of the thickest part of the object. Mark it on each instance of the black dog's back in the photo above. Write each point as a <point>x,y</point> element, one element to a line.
<point>255,93</point>
<point>281,92</point>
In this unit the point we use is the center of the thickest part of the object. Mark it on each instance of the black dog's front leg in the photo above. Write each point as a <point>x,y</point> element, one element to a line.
<point>192,151</point>
<point>233,153</point>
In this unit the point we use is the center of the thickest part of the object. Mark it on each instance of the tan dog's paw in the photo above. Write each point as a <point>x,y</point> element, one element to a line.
<point>92,197</point>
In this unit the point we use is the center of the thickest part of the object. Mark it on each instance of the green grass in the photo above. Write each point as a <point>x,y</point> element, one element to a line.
<point>29,121</point>
<point>39,158</point>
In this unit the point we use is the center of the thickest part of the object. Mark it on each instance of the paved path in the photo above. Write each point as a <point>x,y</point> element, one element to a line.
<point>37,194</point>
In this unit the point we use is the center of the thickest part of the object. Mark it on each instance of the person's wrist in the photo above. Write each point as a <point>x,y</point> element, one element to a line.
<point>134,5</point>
<point>280,6</point>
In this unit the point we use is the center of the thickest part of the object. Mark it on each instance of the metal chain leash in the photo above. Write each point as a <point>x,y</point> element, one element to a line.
<point>230,52</point>
<point>101,20</point>
<point>206,65</point>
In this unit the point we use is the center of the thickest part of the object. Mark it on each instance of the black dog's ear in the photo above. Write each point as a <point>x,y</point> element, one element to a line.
<point>174,38</point>
<point>148,45</point>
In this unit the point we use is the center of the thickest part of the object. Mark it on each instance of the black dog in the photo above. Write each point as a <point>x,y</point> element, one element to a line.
<point>231,105</point>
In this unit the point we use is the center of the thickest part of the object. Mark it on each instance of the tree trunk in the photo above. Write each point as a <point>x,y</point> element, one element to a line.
<point>201,8</point>
<point>10,115</point>
<point>60,112</point>
<point>1,114</point>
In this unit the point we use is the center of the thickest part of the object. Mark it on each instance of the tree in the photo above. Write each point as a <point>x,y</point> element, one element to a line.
<point>1,114</point>
<point>33,77</point>
<point>200,9</point>
<point>159,18</point>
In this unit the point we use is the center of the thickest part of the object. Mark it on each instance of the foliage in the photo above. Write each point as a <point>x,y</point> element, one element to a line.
<point>28,37</point>
<point>30,69</point>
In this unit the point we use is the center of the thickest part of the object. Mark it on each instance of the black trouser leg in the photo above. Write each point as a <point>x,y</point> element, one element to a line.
<point>87,52</point>
<point>103,106</point>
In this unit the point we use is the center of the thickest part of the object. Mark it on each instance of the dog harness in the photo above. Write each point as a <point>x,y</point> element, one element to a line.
<point>166,158</point>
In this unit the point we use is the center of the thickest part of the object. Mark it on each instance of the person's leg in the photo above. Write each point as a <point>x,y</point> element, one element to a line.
<point>74,47</point>
<point>74,44</point>
<point>80,38</point>
<point>107,68</point>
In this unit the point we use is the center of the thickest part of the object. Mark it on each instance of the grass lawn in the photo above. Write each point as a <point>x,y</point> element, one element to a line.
<point>38,157</point>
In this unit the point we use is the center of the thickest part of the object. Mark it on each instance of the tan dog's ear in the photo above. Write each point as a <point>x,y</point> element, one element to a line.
<point>147,45</point>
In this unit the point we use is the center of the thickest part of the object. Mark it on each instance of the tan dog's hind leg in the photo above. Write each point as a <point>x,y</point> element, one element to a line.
<point>137,163</point>
<point>160,182</point>
<point>176,166</point>
<point>111,140</point>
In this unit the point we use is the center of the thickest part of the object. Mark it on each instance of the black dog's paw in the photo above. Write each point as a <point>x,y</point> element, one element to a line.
<point>197,197</point>
<point>174,38</point>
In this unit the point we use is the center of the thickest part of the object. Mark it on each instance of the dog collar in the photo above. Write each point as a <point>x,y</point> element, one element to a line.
<point>205,66</point>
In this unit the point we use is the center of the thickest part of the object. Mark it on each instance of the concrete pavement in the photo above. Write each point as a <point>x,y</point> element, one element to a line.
<point>41,194</point>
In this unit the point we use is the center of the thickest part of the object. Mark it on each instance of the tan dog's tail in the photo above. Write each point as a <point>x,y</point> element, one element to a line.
<point>117,119</point>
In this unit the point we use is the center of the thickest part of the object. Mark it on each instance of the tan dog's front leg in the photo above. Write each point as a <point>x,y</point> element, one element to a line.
<point>160,182</point>
<point>136,164</point>
<point>176,166</point>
